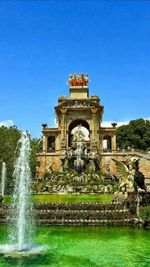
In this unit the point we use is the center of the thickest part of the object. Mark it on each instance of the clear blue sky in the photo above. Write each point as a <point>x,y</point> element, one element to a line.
<point>42,42</point>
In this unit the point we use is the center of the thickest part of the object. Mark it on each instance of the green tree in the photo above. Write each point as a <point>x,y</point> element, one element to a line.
<point>9,149</point>
<point>36,145</point>
<point>8,143</point>
<point>136,134</point>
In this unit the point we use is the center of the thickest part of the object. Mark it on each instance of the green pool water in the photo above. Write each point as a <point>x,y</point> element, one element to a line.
<point>86,247</point>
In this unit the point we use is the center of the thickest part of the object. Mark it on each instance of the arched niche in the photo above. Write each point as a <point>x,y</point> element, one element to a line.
<point>107,143</point>
<point>50,144</point>
<point>73,126</point>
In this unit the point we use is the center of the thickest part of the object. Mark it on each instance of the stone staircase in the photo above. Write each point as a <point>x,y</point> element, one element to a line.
<point>82,214</point>
<point>76,214</point>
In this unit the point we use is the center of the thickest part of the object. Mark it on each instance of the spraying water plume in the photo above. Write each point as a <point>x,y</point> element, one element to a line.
<point>21,228</point>
<point>3,179</point>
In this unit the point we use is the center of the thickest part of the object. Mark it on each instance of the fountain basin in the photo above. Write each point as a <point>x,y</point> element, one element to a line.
<point>11,251</point>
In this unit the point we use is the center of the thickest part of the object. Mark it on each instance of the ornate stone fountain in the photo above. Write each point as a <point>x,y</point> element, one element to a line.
<point>79,157</point>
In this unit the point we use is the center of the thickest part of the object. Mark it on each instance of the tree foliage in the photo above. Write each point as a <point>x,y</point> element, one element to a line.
<point>9,138</point>
<point>8,143</point>
<point>36,145</point>
<point>136,134</point>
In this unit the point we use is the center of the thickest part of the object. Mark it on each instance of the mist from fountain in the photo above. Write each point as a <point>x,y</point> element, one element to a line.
<point>3,179</point>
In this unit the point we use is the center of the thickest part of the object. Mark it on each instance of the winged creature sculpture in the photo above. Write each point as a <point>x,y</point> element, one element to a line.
<point>130,178</point>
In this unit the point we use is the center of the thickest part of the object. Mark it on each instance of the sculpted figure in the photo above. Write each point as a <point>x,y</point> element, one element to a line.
<point>129,175</point>
<point>91,166</point>
<point>86,79</point>
<point>63,154</point>
<point>80,79</point>
<point>70,153</point>
<point>64,160</point>
<point>50,169</point>
<point>66,164</point>
<point>139,178</point>
<point>72,79</point>
<point>78,135</point>
<point>77,80</point>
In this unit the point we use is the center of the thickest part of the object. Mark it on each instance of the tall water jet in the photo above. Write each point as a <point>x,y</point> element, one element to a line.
<point>3,179</point>
<point>21,217</point>
<point>21,232</point>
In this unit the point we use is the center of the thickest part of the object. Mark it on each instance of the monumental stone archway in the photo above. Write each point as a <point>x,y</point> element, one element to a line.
<point>78,110</point>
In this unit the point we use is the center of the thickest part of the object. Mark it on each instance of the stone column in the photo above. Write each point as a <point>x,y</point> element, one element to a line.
<point>63,128</point>
<point>45,154</point>
<point>101,143</point>
<point>113,142</point>
<point>44,143</point>
<point>94,128</point>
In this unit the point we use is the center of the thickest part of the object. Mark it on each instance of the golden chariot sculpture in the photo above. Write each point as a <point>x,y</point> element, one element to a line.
<point>78,80</point>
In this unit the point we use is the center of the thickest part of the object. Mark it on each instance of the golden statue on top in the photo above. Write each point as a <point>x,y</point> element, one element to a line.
<point>78,80</point>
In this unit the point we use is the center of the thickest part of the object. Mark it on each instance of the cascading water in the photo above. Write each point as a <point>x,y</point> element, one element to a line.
<point>3,179</point>
<point>21,232</point>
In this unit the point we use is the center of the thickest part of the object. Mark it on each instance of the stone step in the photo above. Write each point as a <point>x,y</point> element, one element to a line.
<point>79,216</point>
<point>38,212</point>
<point>48,222</point>
<point>86,214</point>
<point>121,211</point>
<point>128,221</point>
<point>61,215</point>
<point>74,214</point>
<point>78,206</point>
